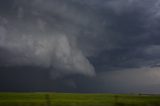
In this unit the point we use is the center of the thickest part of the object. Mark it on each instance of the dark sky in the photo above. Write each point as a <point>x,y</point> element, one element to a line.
<point>80,45</point>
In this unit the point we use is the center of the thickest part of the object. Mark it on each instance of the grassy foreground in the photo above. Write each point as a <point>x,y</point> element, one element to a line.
<point>69,99</point>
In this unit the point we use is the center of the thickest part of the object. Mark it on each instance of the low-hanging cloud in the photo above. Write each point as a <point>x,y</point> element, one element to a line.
<point>34,41</point>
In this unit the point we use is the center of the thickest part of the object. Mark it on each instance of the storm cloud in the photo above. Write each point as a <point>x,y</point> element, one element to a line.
<point>31,41</point>
<point>105,39</point>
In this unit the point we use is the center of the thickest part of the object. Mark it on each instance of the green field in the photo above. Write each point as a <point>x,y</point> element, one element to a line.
<point>74,99</point>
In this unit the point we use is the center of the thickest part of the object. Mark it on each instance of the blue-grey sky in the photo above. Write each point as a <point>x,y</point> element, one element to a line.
<point>80,46</point>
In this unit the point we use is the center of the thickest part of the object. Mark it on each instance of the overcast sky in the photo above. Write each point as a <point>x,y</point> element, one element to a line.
<point>80,45</point>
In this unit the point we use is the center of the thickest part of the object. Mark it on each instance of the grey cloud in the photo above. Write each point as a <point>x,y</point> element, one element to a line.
<point>31,43</point>
<point>82,37</point>
<point>120,36</point>
<point>131,35</point>
<point>111,36</point>
<point>50,51</point>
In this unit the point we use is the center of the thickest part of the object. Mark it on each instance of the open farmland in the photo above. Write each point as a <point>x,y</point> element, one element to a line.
<point>75,99</point>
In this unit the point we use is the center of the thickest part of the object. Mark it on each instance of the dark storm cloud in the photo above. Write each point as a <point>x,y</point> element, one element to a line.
<point>37,38</point>
<point>131,33</point>
<point>6,7</point>
<point>82,37</point>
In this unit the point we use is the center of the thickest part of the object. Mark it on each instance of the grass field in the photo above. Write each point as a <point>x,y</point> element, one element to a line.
<point>71,99</point>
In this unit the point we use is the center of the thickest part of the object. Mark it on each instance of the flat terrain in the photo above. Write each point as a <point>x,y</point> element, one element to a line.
<point>74,99</point>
